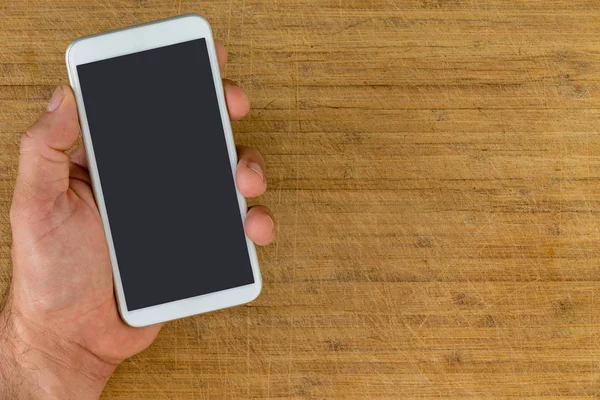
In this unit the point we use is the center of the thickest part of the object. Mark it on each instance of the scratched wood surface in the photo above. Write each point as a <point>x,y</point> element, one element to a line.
<point>434,168</point>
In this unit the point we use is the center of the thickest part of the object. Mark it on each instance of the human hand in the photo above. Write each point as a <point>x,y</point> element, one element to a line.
<point>60,332</point>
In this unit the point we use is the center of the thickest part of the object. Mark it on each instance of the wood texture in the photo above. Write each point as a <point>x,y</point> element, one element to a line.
<point>434,168</point>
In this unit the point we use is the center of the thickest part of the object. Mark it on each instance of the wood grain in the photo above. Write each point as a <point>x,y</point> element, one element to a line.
<point>434,168</point>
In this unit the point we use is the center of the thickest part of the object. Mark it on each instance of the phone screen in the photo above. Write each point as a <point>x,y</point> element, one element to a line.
<point>165,174</point>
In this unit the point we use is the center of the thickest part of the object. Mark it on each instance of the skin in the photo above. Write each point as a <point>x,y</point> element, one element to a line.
<point>61,336</point>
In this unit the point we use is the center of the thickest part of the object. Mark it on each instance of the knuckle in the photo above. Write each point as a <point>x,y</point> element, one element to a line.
<point>28,139</point>
<point>32,130</point>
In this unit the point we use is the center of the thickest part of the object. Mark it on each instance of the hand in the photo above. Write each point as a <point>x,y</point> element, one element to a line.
<point>60,333</point>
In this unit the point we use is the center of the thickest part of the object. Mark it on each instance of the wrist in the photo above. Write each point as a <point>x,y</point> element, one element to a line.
<point>35,363</point>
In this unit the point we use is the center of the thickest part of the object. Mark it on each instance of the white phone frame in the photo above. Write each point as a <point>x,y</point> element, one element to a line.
<point>132,40</point>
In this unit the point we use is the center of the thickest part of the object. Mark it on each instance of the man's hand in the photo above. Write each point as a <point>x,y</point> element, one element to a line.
<point>60,333</point>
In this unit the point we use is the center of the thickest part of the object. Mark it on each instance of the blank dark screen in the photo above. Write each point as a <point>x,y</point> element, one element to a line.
<point>165,173</point>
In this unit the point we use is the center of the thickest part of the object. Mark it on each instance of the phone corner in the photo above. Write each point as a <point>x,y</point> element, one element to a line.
<point>199,17</point>
<point>70,50</point>
<point>126,317</point>
<point>130,321</point>
<point>257,290</point>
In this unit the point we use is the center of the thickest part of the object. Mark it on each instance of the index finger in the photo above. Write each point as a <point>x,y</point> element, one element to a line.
<point>221,55</point>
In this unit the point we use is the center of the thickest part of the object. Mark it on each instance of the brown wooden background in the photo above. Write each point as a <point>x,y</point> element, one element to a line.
<point>434,167</point>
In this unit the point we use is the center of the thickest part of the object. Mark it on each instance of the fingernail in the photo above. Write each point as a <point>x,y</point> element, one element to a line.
<point>272,222</point>
<point>56,99</point>
<point>256,168</point>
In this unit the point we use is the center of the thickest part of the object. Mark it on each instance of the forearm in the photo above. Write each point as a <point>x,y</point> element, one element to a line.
<point>10,378</point>
<point>37,365</point>
<point>14,384</point>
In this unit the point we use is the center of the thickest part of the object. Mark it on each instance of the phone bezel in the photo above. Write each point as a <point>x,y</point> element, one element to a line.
<point>132,40</point>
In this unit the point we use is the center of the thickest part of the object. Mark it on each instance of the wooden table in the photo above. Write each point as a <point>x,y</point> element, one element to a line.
<point>434,168</point>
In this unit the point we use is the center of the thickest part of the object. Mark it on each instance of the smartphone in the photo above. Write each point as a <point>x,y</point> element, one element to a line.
<point>162,163</point>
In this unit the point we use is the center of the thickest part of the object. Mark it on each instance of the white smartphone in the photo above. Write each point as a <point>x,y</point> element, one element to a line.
<point>162,163</point>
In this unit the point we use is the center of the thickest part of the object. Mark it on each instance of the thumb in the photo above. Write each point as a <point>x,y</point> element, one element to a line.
<point>43,164</point>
